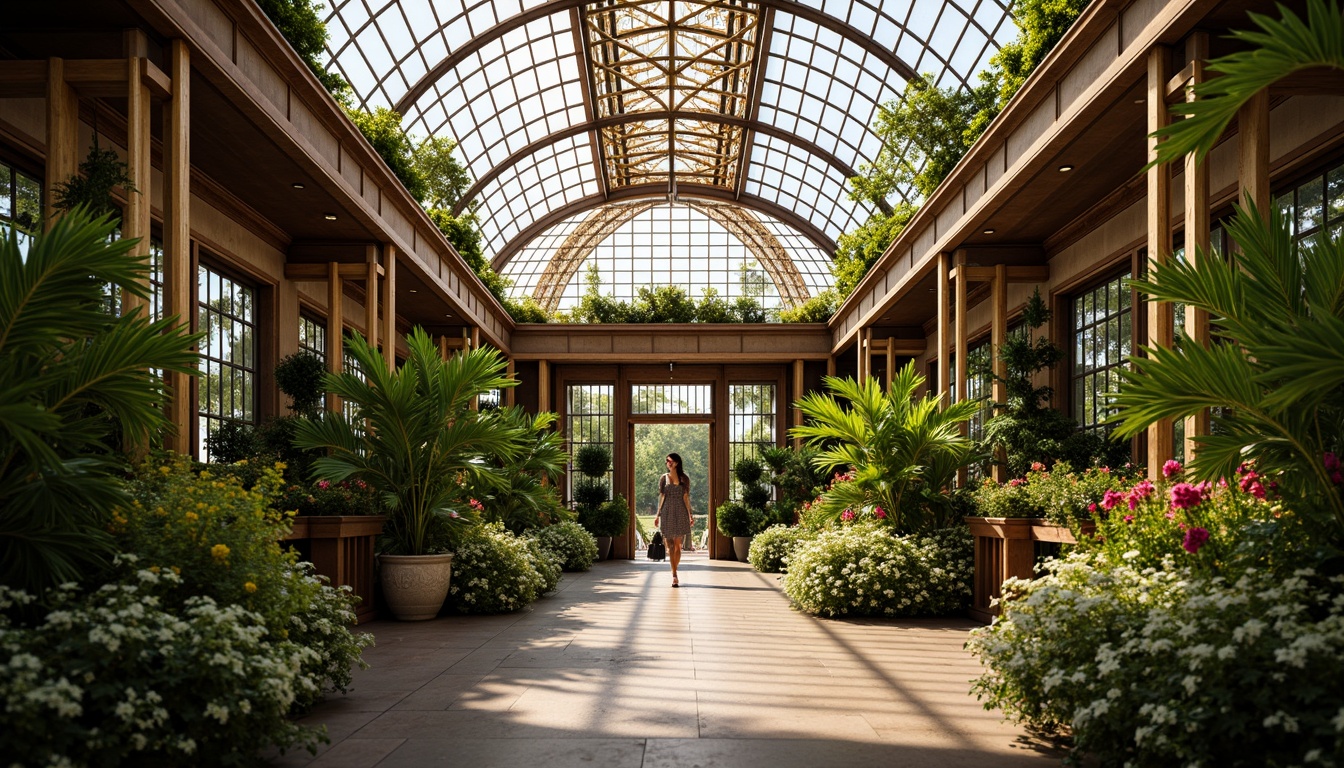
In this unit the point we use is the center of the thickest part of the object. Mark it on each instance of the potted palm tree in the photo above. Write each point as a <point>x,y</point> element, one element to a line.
<point>414,436</point>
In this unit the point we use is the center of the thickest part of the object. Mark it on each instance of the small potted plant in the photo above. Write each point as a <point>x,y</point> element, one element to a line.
<point>742,520</point>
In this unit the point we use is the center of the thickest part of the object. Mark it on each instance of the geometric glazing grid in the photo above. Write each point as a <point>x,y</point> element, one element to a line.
<point>556,175</point>
<point>784,173</point>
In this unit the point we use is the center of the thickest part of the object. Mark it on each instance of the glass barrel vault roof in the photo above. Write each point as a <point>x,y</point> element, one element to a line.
<point>745,116</point>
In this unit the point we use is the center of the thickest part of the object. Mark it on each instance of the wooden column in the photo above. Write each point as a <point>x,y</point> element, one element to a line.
<point>866,356</point>
<point>62,134</point>
<point>135,221</point>
<point>543,386</point>
<point>1253,139</point>
<point>1196,229</point>
<point>999,335</point>
<point>389,332</point>
<point>335,328</point>
<point>475,338</point>
<point>1160,434</point>
<point>797,395</point>
<point>891,363</point>
<point>830,365</point>
<point>371,297</point>
<point>178,276</point>
<point>944,321</point>
<point>961,343</point>
<point>509,392</point>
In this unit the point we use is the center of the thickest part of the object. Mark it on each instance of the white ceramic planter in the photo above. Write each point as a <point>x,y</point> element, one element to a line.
<point>415,585</point>
<point>741,546</point>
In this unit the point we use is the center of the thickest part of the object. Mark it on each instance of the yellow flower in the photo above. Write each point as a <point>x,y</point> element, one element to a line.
<point>153,569</point>
<point>250,587</point>
<point>177,571</point>
<point>192,517</point>
<point>165,470</point>
<point>220,552</point>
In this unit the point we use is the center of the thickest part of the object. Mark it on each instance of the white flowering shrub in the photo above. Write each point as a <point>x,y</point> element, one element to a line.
<point>546,564</point>
<point>1168,666</point>
<point>493,572</point>
<point>771,548</point>
<point>117,677</point>
<point>570,542</point>
<point>864,570</point>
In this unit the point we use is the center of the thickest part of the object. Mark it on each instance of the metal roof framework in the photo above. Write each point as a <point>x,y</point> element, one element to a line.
<point>566,107</point>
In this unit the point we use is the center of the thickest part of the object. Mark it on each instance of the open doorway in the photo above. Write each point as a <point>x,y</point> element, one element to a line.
<point>651,444</point>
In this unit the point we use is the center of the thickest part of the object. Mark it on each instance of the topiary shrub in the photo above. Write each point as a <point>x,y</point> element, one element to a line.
<point>493,572</point>
<point>302,377</point>
<point>589,493</point>
<point>610,518</point>
<point>772,548</point>
<point>570,543</point>
<point>232,441</point>
<point>593,460</point>
<point>734,519</point>
<point>864,570</point>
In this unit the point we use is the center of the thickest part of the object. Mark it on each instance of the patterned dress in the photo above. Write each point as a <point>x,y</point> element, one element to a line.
<point>676,519</point>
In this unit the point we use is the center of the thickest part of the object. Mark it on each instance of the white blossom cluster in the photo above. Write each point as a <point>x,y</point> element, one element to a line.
<point>772,548</point>
<point>1161,666</point>
<point>864,570</point>
<point>569,542</point>
<point>494,571</point>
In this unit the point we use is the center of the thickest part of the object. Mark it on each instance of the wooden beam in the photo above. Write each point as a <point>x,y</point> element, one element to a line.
<point>371,298</point>
<point>178,276</point>
<point>335,329</point>
<point>999,335</point>
<point>900,347</point>
<point>320,272</point>
<point>389,332</point>
<point>1160,433</point>
<point>135,220</point>
<point>1197,225</point>
<point>941,277</point>
<point>1253,156</point>
<point>1015,274</point>
<point>62,133</point>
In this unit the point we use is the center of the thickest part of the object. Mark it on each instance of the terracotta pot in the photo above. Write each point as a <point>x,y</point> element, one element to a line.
<point>741,546</point>
<point>603,547</point>
<point>415,585</point>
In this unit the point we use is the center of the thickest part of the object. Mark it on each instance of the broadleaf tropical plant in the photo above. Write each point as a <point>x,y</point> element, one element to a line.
<point>414,436</point>
<point>77,386</point>
<point>904,450</point>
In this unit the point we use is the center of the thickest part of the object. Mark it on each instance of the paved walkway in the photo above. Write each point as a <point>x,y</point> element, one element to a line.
<point>619,669</point>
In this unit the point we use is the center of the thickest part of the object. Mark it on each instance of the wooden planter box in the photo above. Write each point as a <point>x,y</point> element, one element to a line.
<point>1005,547</point>
<point>341,548</point>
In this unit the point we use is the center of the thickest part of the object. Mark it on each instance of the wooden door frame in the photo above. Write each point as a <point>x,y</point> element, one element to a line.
<point>711,503</point>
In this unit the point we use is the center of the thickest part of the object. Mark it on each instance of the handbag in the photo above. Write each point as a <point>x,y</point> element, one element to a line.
<point>657,549</point>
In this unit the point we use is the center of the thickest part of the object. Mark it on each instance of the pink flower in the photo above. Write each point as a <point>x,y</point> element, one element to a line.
<point>1017,481</point>
<point>1037,466</point>
<point>1110,499</point>
<point>476,505</point>
<point>1129,518</point>
<point>1092,508</point>
<point>323,484</point>
<point>1194,539</point>
<point>1185,496</point>
<point>847,515</point>
<point>1105,470</point>
<point>1172,467</point>
<point>1138,493</point>
<point>879,513</point>
<point>1331,462</point>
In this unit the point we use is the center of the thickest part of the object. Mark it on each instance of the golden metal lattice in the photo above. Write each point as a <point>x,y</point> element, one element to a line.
<point>597,226</point>
<point>681,57</point>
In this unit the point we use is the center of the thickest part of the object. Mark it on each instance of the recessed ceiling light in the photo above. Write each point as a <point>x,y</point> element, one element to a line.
<point>297,185</point>
<point>414,291</point>
<point>329,216</point>
<point>1065,168</point>
<point>989,231</point>
<point>1140,101</point>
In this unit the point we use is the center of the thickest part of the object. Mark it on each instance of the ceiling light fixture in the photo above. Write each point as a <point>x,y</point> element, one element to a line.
<point>297,185</point>
<point>1065,168</point>
<point>414,291</point>
<point>989,231</point>
<point>329,216</point>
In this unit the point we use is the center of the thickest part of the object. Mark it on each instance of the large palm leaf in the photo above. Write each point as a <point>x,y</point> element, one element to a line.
<point>1274,375</point>
<point>904,451</point>
<point>413,434</point>
<point>75,383</point>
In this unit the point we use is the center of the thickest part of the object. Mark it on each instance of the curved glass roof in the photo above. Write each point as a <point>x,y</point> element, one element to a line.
<point>745,115</point>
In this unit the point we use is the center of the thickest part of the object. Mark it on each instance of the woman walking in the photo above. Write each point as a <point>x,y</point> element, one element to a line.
<point>674,516</point>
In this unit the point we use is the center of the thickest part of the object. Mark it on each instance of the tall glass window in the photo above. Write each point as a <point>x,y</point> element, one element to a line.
<point>1315,205</point>
<point>671,399</point>
<point>20,205</point>
<point>227,386</point>
<point>1102,335</point>
<point>313,337</point>
<point>590,419</point>
<point>751,425</point>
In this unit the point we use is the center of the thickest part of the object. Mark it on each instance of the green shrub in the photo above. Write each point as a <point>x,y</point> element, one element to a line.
<point>734,519</point>
<point>864,570</point>
<point>1059,494</point>
<point>348,497</point>
<point>1165,666</point>
<point>131,674</point>
<point>771,548</point>
<point>493,572</point>
<point>589,493</point>
<point>609,518</point>
<point>593,460</point>
<point>573,546</point>
<point>546,564</point>
<point>301,377</point>
<point>748,470</point>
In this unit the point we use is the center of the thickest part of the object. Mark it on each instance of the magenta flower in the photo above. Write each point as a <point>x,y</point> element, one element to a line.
<point>847,515</point>
<point>1331,462</point>
<point>1129,518</point>
<point>323,484</point>
<point>1172,467</point>
<point>1110,499</point>
<point>1138,493</point>
<point>1194,539</point>
<point>879,513</point>
<point>1092,508</point>
<point>1185,496</point>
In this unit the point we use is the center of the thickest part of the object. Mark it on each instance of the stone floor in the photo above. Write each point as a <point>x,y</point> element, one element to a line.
<point>618,669</point>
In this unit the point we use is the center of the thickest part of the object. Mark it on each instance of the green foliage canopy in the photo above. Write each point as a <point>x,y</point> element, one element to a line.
<point>300,22</point>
